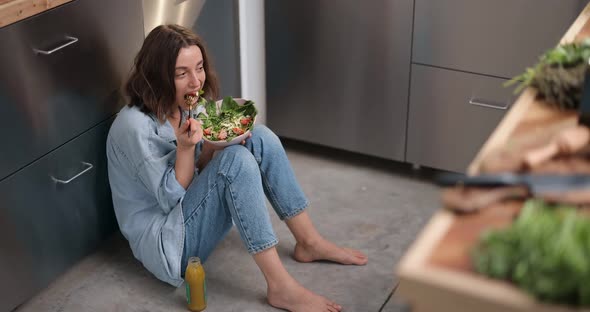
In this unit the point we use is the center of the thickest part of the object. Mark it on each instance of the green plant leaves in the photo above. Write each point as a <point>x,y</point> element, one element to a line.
<point>565,55</point>
<point>211,108</point>
<point>546,252</point>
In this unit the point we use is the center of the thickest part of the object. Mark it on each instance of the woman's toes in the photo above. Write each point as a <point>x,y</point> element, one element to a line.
<point>333,307</point>
<point>357,254</point>
<point>336,306</point>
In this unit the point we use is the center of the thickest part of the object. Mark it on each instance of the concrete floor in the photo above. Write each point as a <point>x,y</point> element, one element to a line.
<point>357,201</point>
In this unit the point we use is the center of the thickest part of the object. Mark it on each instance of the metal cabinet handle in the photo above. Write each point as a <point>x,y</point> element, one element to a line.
<point>88,167</point>
<point>489,104</point>
<point>71,40</point>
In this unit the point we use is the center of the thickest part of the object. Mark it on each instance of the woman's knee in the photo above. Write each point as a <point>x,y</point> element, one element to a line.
<point>237,159</point>
<point>263,133</point>
<point>265,143</point>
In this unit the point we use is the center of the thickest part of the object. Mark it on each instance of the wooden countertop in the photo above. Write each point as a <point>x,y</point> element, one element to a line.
<point>12,11</point>
<point>435,273</point>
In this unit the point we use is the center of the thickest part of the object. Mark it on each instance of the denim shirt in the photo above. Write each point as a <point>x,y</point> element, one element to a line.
<point>147,198</point>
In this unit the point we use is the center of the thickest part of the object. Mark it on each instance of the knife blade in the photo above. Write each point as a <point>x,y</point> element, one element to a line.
<point>537,184</point>
<point>584,109</point>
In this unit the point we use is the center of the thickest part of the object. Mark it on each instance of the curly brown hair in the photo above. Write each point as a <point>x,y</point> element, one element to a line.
<point>151,82</point>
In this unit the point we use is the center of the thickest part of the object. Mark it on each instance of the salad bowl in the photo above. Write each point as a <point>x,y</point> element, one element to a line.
<point>227,122</point>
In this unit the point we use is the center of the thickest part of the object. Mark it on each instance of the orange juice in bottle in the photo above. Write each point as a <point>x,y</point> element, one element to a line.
<point>196,288</point>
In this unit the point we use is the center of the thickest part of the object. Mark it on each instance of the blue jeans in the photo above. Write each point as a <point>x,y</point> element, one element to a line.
<point>232,187</point>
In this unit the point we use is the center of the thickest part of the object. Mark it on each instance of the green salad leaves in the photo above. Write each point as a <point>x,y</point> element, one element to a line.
<point>546,252</point>
<point>228,121</point>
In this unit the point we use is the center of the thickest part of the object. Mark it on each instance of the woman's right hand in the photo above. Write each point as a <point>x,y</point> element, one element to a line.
<point>189,133</point>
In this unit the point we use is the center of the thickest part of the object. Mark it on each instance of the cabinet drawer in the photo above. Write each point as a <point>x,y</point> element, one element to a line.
<point>61,71</point>
<point>499,38</point>
<point>53,212</point>
<point>451,116</point>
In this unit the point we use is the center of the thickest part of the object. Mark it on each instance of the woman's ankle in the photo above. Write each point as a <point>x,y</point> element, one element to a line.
<point>280,284</point>
<point>310,241</point>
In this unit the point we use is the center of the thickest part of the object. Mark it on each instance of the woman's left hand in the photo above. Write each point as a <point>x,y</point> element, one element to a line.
<point>208,147</point>
<point>244,141</point>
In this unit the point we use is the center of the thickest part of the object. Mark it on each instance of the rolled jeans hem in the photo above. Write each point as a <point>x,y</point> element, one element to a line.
<point>263,247</point>
<point>293,213</point>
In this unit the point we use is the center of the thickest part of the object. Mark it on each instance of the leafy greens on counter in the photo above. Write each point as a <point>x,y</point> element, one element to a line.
<point>546,252</point>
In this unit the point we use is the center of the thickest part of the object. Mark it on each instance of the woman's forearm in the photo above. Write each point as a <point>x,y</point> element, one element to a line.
<point>185,165</point>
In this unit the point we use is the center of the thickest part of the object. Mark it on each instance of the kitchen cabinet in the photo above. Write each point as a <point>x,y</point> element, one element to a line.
<point>59,89</point>
<point>54,212</point>
<point>414,81</point>
<point>463,51</point>
<point>338,73</point>
<point>498,38</point>
<point>451,114</point>
<point>52,97</point>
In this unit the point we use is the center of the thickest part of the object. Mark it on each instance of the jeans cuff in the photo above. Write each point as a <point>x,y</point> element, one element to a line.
<point>294,212</point>
<point>256,249</point>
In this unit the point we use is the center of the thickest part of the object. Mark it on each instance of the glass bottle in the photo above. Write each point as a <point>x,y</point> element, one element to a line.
<point>196,288</point>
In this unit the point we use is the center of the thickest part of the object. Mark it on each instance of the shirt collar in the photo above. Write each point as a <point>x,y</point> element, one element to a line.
<point>165,130</point>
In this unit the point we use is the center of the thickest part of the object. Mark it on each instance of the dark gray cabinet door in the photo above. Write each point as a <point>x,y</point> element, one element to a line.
<point>494,37</point>
<point>338,73</point>
<point>61,71</point>
<point>451,115</point>
<point>53,213</point>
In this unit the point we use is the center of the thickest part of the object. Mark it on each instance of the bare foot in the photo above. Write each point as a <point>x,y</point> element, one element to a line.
<point>326,250</point>
<point>291,296</point>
